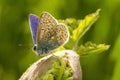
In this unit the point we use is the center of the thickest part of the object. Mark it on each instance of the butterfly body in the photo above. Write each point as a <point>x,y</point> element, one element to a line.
<point>49,33</point>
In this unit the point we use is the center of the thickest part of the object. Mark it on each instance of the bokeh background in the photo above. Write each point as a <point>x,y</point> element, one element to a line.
<point>15,38</point>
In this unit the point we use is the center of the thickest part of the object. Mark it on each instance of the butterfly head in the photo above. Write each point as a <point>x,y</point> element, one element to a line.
<point>40,50</point>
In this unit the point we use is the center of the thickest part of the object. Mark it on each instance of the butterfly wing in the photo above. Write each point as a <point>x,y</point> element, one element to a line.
<point>50,34</point>
<point>33,22</point>
<point>46,25</point>
<point>62,34</point>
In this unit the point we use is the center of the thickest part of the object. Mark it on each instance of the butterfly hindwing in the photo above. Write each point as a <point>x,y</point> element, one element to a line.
<point>62,34</point>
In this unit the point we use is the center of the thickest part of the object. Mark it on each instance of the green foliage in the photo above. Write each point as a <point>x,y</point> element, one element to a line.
<point>60,71</point>
<point>90,48</point>
<point>77,29</point>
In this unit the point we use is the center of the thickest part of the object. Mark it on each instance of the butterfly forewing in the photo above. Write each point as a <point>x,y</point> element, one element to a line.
<point>46,25</point>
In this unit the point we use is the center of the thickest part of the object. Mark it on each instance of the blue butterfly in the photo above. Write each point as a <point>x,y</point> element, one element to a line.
<point>47,33</point>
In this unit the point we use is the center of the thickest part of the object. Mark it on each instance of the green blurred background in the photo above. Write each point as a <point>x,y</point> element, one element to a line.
<point>15,38</point>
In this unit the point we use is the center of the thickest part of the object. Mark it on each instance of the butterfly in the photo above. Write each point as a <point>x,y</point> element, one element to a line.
<point>47,33</point>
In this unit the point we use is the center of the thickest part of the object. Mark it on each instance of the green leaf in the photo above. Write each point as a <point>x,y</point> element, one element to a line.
<point>84,25</point>
<point>90,48</point>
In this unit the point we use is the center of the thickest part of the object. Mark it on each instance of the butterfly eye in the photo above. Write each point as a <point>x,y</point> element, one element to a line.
<point>34,48</point>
